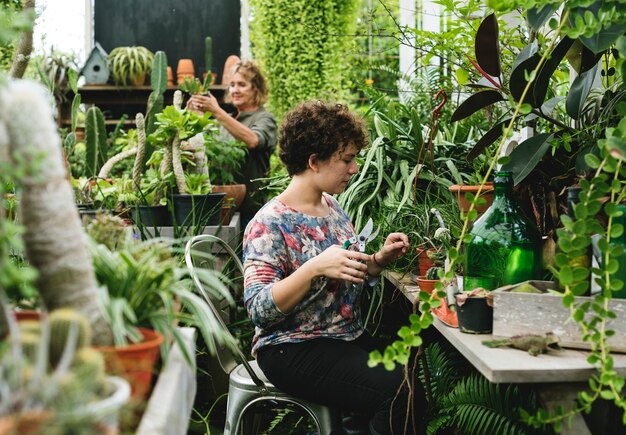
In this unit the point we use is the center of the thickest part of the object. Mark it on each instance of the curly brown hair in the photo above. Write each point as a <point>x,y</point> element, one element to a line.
<point>251,72</point>
<point>321,128</point>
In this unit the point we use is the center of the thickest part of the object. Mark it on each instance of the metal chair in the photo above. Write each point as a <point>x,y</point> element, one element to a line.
<point>248,385</point>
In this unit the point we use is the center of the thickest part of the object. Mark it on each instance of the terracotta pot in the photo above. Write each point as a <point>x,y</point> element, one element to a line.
<point>27,422</point>
<point>427,285</point>
<point>235,193</point>
<point>185,69</point>
<point>170,76</point>
<point>459,191</point>
<point>423,261</point>
<point>134,362</point>
<point>138,80</point>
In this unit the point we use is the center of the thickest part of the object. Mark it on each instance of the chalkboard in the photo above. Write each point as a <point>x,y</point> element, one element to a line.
<point>174,26</point>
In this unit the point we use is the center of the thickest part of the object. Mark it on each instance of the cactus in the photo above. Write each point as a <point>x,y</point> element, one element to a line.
<point>158,82</point>
<point>95,141</point>
<point>30,345</point>
<point>61,321</point>
<point>141,150</point>
<point>433,272</point>
<point>89,363</point>
<point>208,55</point>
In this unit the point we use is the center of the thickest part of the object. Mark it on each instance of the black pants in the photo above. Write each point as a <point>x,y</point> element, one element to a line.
<point>334,373</point>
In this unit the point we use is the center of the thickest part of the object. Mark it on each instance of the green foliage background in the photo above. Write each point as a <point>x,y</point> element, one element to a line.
<point>302,47</point>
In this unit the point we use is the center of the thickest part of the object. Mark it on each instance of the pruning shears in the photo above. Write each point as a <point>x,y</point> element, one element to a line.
<point>366,235</point>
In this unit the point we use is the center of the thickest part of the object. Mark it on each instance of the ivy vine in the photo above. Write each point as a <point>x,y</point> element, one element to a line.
<point>302,47</point>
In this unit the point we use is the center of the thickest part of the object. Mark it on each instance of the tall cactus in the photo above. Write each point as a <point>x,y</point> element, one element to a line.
<point>55,242</point>
<point>208,55</point>
<point>95,141</point>
<point>158,82</point>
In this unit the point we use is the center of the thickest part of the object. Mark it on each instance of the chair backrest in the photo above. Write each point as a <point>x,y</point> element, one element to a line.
<point>196,251</point>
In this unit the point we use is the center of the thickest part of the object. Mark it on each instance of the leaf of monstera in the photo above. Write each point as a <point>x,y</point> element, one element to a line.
<point>540,87</point>
<point>487,46</point>
<point>476,102</point>
<point>518,81</point>
<point>604,38</point>
<point>579,91</point>
<point>538,16</point>
<point>490,137</point>
<point>525,157</point>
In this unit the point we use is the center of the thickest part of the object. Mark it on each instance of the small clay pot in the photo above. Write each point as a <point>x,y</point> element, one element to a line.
<point>185,69</point>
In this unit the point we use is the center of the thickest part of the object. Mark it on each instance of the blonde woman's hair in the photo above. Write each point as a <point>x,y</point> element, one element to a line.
<point>251,72</point>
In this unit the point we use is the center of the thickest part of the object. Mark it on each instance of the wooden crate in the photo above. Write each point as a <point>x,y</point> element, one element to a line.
<point>533,313</point>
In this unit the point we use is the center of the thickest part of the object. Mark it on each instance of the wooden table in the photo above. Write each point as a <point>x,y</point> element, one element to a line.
<point>559,375</point>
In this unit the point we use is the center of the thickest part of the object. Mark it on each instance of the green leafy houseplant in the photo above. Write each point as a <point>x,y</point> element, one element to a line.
<point>144,284</point>
<point>129,65</point>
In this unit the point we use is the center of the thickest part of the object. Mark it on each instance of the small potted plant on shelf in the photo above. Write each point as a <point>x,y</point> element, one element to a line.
<point>437,256</point>
<point>475,311</point>
<point>130,65</point>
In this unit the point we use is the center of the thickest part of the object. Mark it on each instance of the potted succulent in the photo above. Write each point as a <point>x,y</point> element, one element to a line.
<point>175,127</point>
<point>130,65</point>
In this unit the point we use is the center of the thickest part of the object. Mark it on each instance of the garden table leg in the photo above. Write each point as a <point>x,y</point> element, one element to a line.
<point>552,395</point>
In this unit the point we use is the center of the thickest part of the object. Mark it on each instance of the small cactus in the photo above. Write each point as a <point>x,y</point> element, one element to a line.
<point>433,273</point>
<point>61,321</point>
<point>30,344</point>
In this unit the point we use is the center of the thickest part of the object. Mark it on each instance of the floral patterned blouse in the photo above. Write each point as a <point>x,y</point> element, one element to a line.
<point>276,242</point>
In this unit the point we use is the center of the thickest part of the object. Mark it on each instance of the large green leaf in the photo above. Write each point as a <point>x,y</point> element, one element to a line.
<point>526,155</point>
<point>579,91</point>
<point>487,46</point>
<point>538,16</point>
<point>476,102</point>
<point>540,87</point>
<point>525,53</point>
<point>519,80</point>
<point>490,137</point>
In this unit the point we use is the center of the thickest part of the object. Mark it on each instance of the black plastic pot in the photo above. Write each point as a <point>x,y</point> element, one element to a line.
<point>198,210</point>
<point>475,316</point>
<point>151,215</point>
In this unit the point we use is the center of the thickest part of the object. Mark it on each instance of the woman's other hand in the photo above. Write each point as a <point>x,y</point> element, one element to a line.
<point>338,263</point>
<point>395,246</point>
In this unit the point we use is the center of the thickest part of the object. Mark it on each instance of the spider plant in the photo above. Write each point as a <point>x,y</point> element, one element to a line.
<point>129,65</point>
<point>143,285</point>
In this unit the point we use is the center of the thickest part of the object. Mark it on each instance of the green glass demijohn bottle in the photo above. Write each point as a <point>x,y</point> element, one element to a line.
<point>505,246</point>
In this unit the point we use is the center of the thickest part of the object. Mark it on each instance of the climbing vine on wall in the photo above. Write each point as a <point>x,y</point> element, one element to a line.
<point>302,47</point>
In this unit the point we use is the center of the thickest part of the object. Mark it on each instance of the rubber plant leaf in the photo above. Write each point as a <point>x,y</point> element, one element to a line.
<point>602,40</point>
<point>487,46</point>
<point>538,16</point>
<point>540,87</point>
<point>490,137</point>
<point>526,155</point>
<point>525,53</point>
<point>579,91</point>
<point>581,58</point>
<point>518,80</point>
<point>476,102</point>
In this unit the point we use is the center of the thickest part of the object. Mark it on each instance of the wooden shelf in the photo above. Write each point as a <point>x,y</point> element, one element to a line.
<point>117,100</point>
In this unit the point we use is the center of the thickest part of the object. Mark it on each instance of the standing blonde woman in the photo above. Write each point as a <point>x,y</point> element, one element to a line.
<point>250,124</point>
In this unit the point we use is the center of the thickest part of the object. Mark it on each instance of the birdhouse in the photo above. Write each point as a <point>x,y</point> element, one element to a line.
<point>96,69</point>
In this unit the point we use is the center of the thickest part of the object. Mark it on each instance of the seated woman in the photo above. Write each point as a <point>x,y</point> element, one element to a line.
<point>302,289</point>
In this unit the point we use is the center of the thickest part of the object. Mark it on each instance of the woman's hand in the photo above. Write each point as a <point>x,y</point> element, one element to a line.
<point>338,263</point>
<point>395,246</point>
<point>203,103</point>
